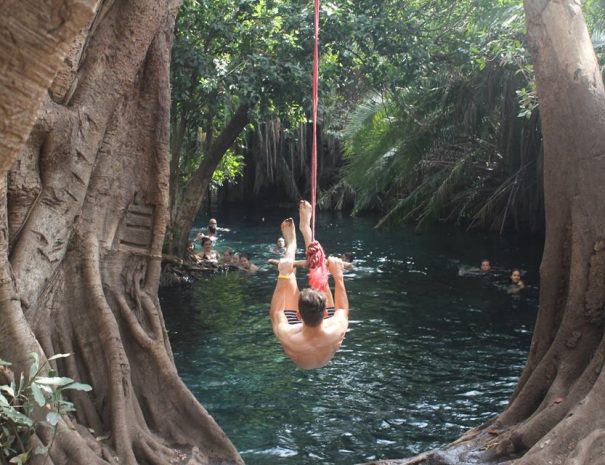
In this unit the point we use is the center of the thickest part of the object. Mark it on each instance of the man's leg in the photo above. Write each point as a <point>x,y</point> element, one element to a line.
<point>305,212</point>
<point>289,234</point>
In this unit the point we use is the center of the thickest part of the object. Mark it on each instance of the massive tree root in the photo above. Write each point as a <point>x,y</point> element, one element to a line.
<point>83,220</point>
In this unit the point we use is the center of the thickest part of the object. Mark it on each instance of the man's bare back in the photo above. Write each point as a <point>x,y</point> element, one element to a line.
<point>310,344</point>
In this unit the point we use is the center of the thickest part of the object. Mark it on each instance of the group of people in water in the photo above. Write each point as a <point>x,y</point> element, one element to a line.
<point>210,256</point>
<point>515,282</point>
<point>229,258</point>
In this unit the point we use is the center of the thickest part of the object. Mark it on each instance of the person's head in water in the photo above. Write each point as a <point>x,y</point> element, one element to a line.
<point>228,255</point>
<point>281,243</point>
<point>515,277</point>
<point>347,257</point>
<point>244,261</point>
<point>212,222</point>
<point>311,306</point>
<point>206,244</point>
<point>485,265</point>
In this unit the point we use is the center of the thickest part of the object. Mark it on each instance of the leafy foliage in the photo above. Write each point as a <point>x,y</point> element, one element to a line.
<point>435,99</point>
<point>229,168</point>
<point>461,139</point>
<point>229,52</point>
<point>19,403</point>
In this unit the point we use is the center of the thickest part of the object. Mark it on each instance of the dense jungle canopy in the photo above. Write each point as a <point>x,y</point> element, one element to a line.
<point>428,108</point>
<point>117,116</point>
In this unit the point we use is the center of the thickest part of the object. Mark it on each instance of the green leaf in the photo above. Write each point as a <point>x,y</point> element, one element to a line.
<point>18,418</point>
<point>33,369</point>
<point>3,401</point>
<point>65,407</point>
<point>47,389</point>
<point>79,387</point>
<point>38,395</point>
<point>53,418</point>
<point>56,356</point>
<point>4,363</point>
<point>20,459</point>
<point>54,381</point>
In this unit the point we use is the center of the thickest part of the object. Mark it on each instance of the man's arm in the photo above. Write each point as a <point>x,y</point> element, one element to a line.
<point>341,300</point>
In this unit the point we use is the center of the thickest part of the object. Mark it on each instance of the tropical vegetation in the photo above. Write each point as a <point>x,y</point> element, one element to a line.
<point>435,102</point>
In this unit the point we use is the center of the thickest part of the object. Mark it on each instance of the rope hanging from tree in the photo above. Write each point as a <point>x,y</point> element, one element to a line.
<point>315,97</point>
<point>316,259</point>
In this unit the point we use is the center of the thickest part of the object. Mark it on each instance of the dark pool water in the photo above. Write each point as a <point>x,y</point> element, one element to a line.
<point>428,355</point>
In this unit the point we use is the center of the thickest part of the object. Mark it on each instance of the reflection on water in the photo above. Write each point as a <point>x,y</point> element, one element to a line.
<point>429,353</point>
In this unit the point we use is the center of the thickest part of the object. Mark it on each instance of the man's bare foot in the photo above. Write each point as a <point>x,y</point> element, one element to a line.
<point>288,231</point>
<point>305,212</point>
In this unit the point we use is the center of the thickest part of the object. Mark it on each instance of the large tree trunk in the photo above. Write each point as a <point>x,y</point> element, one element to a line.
<point>556,414</point>
<point>83,218</point>
<point>195,190</point>
<point>177,133</point>
<point>33,43</point>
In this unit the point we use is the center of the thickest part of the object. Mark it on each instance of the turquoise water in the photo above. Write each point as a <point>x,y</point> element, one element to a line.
<point>428,355</point>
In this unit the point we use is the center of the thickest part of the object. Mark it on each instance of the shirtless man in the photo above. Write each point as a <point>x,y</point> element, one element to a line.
<point>310,340</point>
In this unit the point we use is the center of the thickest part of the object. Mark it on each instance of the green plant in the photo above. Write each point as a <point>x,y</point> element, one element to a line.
<point>19,408</point>
<point>459,142</point>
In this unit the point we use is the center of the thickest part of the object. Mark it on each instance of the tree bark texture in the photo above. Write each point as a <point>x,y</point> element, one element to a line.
<point>34,41</point>
<point>83,217</point>
<point>556,412</point>
<point>555,415</point>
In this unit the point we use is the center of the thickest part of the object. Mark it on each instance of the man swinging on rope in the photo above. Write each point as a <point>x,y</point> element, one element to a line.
<point>308,324</point>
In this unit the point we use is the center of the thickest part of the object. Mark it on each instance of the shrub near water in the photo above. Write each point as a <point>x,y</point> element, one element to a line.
<point>19,402</point>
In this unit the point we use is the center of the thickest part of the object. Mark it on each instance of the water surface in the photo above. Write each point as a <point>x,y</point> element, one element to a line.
<point>428,355</point>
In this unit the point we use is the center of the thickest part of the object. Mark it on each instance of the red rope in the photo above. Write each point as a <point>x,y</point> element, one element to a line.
<point>315,104</point>
<point>318,271</point>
